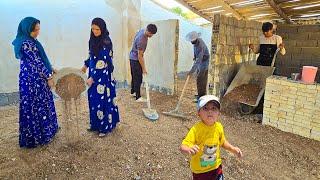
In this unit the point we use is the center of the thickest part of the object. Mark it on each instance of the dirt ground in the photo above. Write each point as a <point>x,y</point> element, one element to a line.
<point>141,149</point>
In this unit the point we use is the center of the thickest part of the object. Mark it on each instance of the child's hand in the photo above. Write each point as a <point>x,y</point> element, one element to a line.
<point>193,150</point>
<point>237,152</point>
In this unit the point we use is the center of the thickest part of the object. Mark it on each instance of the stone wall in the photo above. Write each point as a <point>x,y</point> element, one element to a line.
<point>230,42</point>
<point>302,43</point>
<point>292,107</point>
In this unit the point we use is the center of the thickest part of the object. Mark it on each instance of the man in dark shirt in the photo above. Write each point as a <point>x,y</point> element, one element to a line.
<point>201,62</point>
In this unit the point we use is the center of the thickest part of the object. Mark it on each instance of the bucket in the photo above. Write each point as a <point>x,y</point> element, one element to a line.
<point>309,74</point>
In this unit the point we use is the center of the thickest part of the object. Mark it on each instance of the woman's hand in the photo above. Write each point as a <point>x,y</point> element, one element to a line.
<point>90,82</point>
<point>84,69</point>
<point>51,83</point>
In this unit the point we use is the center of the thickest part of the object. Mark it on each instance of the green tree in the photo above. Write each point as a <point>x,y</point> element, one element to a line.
<point>178,11</point>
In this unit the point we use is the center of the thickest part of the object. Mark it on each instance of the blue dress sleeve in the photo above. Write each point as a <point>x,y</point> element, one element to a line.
<point>86,62</point>
<point>109,61</point>
<point>30,51</point>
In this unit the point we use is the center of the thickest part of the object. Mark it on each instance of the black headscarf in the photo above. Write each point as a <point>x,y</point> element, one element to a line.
<point>97,43</point>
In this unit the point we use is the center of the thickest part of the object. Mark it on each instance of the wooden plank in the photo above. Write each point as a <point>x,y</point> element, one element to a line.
<point>205,4</point>
<point>298,3</point>
<point>278,10</point>
<point>227,7</point>
<point>289,11</point>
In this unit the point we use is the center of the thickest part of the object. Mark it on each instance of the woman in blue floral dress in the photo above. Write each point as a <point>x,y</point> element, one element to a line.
<point>104,113</point>
<point>37,116</point>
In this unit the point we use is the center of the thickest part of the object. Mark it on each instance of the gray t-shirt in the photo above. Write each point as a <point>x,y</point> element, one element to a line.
<point>139,43</point>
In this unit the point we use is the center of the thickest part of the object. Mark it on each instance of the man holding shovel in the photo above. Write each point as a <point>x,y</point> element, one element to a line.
<point>137,65</point>
<point>201,62</point>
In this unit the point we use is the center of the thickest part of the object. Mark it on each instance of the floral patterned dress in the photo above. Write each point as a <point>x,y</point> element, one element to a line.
<point>104,112</point>
<point>37,116</point>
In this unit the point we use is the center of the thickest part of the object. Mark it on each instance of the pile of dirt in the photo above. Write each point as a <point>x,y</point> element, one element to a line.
<point>246,93</point>
<point>70,86</point>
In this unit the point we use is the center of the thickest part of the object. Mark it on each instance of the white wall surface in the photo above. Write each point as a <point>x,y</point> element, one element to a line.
<point>160,56</point>
<point>65,31</point>
<point>150,11</point>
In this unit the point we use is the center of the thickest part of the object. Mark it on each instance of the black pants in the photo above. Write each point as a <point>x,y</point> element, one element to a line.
<point>202,79</point>
<point>136,77</point>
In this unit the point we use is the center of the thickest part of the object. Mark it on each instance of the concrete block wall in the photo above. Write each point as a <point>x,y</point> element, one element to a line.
<point>302,44</point>
<point>292,107</point>
<point>230,41</point>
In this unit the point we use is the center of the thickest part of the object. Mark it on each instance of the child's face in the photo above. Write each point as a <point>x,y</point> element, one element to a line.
<point>209,113</point>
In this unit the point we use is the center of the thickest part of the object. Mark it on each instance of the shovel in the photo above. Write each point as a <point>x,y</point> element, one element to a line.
<point>149,113</point>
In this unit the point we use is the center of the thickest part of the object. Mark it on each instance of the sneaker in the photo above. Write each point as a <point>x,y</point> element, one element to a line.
<point>133,94</point>
<point>141,99</point>
<point>102,134</point>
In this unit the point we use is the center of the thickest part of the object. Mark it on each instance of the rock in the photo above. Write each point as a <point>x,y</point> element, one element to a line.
<point>137,177</point>
<point>74,166</point>
<point>137,157</point>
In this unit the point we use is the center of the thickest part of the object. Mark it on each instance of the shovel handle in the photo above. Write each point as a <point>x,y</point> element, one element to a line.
<point>274,57</point>
<point>182,93</point>
<point>147,91</point>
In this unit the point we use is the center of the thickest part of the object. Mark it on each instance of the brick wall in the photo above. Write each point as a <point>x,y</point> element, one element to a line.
<point>230,41</point>
<point>292,107</point>
<point>302,44</point>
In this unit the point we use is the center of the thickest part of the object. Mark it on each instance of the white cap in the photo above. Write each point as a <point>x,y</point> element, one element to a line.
<point>203,100</point>
<point>192,36</point>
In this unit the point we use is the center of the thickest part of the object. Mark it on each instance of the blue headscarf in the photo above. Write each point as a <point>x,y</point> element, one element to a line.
<point>23,34</point>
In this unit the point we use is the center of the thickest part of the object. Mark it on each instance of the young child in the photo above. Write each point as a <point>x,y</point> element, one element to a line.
<point>204,140</point>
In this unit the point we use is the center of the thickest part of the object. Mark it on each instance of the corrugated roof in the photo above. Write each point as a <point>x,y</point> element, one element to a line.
<point>261,10</point>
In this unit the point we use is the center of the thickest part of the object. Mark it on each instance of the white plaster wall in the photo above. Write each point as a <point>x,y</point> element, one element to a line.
<point>150,11</point>
<point>160,55</point>
<point>65,31</point>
